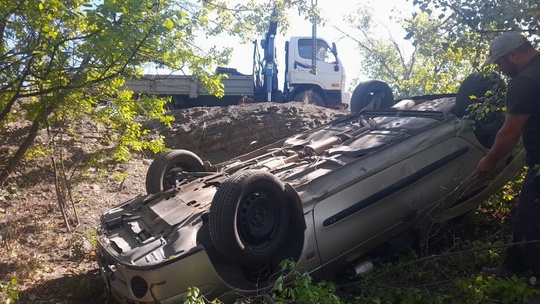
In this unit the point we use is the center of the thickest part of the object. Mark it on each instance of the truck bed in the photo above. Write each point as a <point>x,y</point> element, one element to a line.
<point>234,85</point>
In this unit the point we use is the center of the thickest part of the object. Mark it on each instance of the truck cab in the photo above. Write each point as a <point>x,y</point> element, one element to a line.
<point>314,73</point>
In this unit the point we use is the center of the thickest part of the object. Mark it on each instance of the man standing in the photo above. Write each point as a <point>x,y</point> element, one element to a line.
<point>517,58</point>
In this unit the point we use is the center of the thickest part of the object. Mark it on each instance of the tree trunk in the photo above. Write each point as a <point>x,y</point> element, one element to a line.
<point>16,159</point>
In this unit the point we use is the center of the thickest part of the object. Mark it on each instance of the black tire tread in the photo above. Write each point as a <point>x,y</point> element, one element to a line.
<point>164,162</point>
<point>476,84</point>
<point>223,215</point>
<point>359,97</point>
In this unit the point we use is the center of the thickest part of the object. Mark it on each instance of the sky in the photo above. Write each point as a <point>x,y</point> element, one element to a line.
<point>335,18</point>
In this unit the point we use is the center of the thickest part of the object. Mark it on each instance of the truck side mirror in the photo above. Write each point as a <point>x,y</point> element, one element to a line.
<point>334,49</point>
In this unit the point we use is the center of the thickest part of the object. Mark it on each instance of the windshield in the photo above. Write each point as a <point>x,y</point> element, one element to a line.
<point>324,52</point>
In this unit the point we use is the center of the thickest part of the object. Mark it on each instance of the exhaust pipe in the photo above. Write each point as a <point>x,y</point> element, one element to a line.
<point>360,268</point>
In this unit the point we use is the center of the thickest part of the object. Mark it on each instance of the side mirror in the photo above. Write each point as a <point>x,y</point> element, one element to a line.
<point>334,48</point>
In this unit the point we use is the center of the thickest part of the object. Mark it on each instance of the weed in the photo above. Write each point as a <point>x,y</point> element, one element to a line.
<point>484,289</point>
<point>10,193</point>
<point>194,297</point>
<point>120,176</point>
<point>91,236</point>
<point>82,244</point>
<point>292,286</point>
<point>77,245</point>
<point>8,292</point>
<point>301,287</point>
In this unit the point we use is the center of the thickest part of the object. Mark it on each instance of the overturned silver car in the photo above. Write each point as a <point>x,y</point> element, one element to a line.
<point>327,198</point>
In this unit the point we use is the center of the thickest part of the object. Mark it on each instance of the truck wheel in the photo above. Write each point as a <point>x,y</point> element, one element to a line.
<point>366,91</point>
<point>171,167</point>
<point>478,84</point>
<point>311,97</point>
<point>249,217</point>
<point>278,97</point>
<point>178,102</point>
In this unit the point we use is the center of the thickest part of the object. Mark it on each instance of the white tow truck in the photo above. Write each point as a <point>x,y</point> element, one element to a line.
<point>313,74</point>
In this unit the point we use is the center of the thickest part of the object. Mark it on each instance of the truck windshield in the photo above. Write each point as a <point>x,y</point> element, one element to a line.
<point>324,52</point>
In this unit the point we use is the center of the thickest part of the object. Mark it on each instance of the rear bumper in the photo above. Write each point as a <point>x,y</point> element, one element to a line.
<point>164,283</point>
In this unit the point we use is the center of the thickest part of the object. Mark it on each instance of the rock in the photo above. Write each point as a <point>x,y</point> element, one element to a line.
<point>4,232</point>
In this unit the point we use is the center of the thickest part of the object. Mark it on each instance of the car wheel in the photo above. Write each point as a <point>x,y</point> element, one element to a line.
<point>487,128</point>
<point>169,168</point>
<point>311,97</point>
<point>365,91</point>
<point>249,217</point>
<point>478,84</point>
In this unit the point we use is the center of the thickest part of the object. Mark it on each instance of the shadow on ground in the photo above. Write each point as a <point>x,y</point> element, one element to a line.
<point>87,288</point>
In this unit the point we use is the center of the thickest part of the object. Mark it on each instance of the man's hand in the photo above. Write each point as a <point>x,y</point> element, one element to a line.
<point>486,165</point>
<point>506,139</point>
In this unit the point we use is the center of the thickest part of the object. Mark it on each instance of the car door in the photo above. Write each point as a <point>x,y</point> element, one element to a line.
<point>358,218</point>
<point>390,201</point>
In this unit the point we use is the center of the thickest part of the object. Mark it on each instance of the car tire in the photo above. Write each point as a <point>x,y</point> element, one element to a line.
<point>249,217</point>
<point>311,97</point>
<point>486,129</point>
<point>165,169</point>
<point>478,84</point>
<point>364,91</point>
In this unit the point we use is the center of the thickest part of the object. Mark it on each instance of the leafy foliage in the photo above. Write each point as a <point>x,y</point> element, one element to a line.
<point>448,40</point>
<point>434,64</point>
<point>487,107</point>
<point>66,61</point>
<point>507,290</point>
<point>473,24</point>
<point>60,60</point>
<point>448,273</point>
<point>292,286</point>
<point>502,204</point>
<point>302,288</point>
<point>9,193</point>
<point>8,292</point>
<point>485,16</point>
<point>194,296</point>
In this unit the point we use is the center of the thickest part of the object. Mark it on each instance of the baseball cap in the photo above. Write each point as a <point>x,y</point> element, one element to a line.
<point>504,44</point>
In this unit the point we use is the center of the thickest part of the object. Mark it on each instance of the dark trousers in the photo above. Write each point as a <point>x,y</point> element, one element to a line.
<point>527,228</point>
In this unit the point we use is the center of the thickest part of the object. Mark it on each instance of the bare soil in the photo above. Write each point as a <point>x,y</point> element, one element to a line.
<point>54,263</point>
